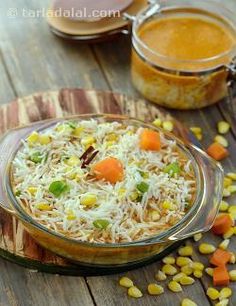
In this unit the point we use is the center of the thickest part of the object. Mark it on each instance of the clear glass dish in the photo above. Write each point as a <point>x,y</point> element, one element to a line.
<point>199,218</point>
<point>175,83</point>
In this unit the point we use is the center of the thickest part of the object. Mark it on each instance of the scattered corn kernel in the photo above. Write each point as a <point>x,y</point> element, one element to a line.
<point>185,251</point>
<point>188,302</point>
<point>88,200</point>
<point>89,140</point>
<point>229,233</point>
<point>155,216</point>
<point>33,138</point>
<point>32,190</point>
<point>232,175</point>
<point>126,282</point>
<point>168,126</point>
<point>157,122</point>
<point>232,275</point>
<point>112,137</point>
<point>43,206</point>
<point>186,280</point>
<point>224,244</point>
<point>174,286</point>
<point>178,276</point>
<point>232,211</point>
<point>225,293</point>
<point>209,271</point>
<point>223,302</point>
<point>183,261</point>
<point>134,195</point>
<point>226,193</point>
<point>213,293</point>
<point>199,136</point>
<point>73,161</point>
<point>221,140</point>
<point>197,237</point>
<point>227,182</point>
<point>197,273</point>
<point>196,130</point>
<point>71,217</point>
<point>223,127</point>
<point>169,260</point>
<point>187,270</point>
<point>77,131</point>
<point>206,248</point>
<point>224,206</point>
<point>155,289</point>
<point>160,276</point>
<point>44,139</point>
<point>232,189</point>
<point>232,259</point>
<point>169,269</point>
<point>196,265</point>
<point>168,205</point>
<point>134,292</point>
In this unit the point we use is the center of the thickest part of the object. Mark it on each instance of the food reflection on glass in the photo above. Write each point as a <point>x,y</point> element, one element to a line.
<point>103,182</point>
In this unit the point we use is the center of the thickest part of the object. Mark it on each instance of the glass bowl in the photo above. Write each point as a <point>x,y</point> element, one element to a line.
<point>199,218</point>
<point>181,83</point>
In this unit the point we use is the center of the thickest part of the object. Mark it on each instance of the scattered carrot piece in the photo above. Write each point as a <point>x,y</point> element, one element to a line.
<point>217,151</point>
<point>109,169</point>
<point>222,224</point>
<point>220,276</point>
<point>220,257</point>
<point>150,140</point>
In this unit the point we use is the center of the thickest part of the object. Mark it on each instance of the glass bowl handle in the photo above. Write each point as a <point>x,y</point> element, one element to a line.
<point>212,176</point>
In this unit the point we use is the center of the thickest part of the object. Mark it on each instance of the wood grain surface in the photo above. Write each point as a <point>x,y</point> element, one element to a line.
<point>33,60</point>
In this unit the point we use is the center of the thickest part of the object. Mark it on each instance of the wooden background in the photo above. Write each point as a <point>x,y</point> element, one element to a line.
<point>32,60</point>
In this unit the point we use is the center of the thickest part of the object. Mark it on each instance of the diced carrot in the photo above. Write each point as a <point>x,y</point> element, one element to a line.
<point>217,151</point>
<point>150,140</point>
<point>220,257</point>
<point>109,169</point>
<point>220,276</point>
<point>222,224</point>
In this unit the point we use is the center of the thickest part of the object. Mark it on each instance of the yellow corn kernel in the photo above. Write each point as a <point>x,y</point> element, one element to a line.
<point>187,270</point>
<point>188,302</point>
<point>224,206</point>
<point>155,216</point>
<point>87,141</point>
<point>169,269</point>
<point>225,293</point>
<point>33,138</point>
<point>223,127</point>
<point>71,217</point>
<point>186,251</point>
<point>43,206</point>
<point>134,195</point>
<point>183,261</point>
<point>229,233</point>
<point>112,137</point>
<point>224,244</point>
<point>134,292</point>
<point>88,200</point>
<point>174,286</point>
<point>44,139</point>
<point>109,143</point>
<point>232,275</point>
<point>223,302</point>
<point>157,122</point>
<point>232,211</point>
<point>206,248</point>
<point>232,259</point>
<point>77,131</point>
<point>186,280</point>
<point>232,189</point>
<point>168,205</point>
<point>232,175</point>
<point>168,126</point>
<point>197,273</point>
<point>154,289</point>
<point>32,190</point>
<point>178,276</point>
<point>126,282</point>
<point>199,136</point>
<point>196,130</point>
<point>169,260</point>
<point>73,161</point>
<point>227,182</point>
<point>226,193</point>
<point>197,237</point>
<point>209,271</point>
<point>196,265</point>
<point>221,140</point>
<point>160,276</point>
<point>213,293</point>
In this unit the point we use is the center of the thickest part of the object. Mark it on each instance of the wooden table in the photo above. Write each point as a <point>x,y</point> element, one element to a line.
<point>32,60</point>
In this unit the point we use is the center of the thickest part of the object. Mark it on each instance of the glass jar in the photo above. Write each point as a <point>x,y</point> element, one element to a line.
<point>181,83</point>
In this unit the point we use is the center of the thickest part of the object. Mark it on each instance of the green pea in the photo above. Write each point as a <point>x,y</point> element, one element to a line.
<point>36,157</point>
<point>172,169</point>
<point>101,223</point>
<point>58,187</point>
<point>142,187</point>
